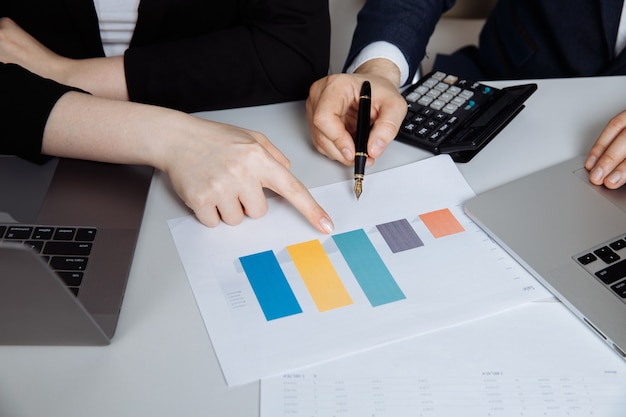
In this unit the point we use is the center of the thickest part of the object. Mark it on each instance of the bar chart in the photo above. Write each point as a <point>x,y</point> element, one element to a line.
<point>322,281</point>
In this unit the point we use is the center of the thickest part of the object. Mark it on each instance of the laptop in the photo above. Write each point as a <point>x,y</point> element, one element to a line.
<point>569,234</point>
<point>68,230</point>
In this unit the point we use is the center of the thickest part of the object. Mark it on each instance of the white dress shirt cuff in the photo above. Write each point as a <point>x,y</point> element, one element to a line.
<point>382,49</point>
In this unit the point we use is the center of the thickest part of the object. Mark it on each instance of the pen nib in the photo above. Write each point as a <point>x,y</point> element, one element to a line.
<point>358,187</point>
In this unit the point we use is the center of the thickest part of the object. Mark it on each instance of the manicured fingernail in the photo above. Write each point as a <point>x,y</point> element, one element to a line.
<point>346,154</point>
<point>591,161</point>
<point>614,178</point>
<point>596,174</point>
<point>377,148</point>
<point>327,225</point>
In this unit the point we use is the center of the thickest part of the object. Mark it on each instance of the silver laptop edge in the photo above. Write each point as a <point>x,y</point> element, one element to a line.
<point>545,234</point>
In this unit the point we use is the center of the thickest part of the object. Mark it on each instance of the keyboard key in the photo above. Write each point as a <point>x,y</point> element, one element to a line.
<point>19,232</point>
<point>37,245</point>
<point>71,279</point>
<point>587,259</point>
<point>618,244</point>
<point>613,273</point>
<point>86,234</point>
<point>64,233</point>
<point>620,289</point>
<point>68,263</point>
<point>606,254</point>
<point>67,248</point>
<point>43,233</point>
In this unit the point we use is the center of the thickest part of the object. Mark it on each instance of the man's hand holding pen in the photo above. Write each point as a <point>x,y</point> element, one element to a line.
<point>332,108</point>
<point>362,136</point>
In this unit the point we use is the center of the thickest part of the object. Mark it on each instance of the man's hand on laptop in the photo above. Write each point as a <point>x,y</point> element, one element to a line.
<point>606,161</point>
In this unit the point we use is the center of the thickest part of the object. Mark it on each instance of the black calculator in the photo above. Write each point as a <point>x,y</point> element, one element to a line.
<point>456,116</point>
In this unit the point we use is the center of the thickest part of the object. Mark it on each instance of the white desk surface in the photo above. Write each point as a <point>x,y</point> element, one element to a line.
<point>161,362</point>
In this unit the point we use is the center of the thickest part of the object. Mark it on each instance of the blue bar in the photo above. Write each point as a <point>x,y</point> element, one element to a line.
<point>368,268</point>
<point>270,285</point>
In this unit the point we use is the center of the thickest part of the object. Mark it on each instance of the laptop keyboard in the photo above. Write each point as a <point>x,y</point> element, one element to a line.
<point>65,249</point>
<point>607,262</point>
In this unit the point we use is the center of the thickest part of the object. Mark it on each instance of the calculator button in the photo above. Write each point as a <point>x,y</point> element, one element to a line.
<point>419,119</point>
<point>430,83</point>
<point>425,101</point>
<point>437,104</point>
<point>446,97</point>
<point>450,108</point>
<point>413,97</point>
<point>470,105</point>
<point>409,127</point>
<point>435,136</point>
<point>444,128</point>
<point>441,87</point>
<point>439,75</point>
<point>458,101</point>
<point>451,79</point>
<point>454,90</point>
<point>440,117</point>
<point>466,94</point>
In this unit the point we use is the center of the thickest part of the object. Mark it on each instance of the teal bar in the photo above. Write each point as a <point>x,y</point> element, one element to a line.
<point>270,285</point>
<point>368,268</point>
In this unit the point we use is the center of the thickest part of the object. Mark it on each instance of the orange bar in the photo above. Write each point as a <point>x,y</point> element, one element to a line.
<point>441,223</point>
<point>319,275</point>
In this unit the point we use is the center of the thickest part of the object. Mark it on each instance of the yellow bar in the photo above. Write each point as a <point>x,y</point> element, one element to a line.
<point>319,275</point>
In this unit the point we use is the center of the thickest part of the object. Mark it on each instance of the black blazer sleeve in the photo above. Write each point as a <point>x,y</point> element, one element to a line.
<point>212,55</point>
<point>25,104</point>
<point>407,24</point>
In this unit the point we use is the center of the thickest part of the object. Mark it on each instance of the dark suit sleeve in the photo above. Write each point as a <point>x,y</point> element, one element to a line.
<point>407,24</point>
<point>25,104</point>
<point>276,50</point>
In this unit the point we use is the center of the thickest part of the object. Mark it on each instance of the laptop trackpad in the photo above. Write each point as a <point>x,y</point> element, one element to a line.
<point>23,187</point>
<point>617,197</point>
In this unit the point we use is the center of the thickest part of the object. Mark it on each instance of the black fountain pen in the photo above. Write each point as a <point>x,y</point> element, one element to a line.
<point>362,135</point>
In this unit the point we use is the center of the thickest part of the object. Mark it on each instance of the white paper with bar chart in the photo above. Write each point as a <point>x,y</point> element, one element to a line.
<point>275,294</point>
